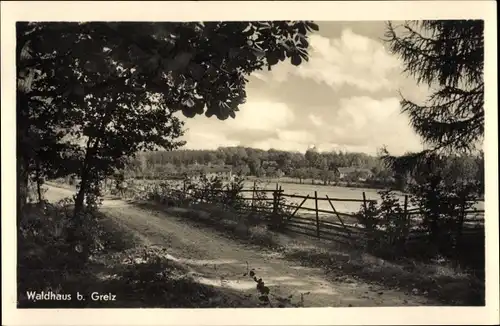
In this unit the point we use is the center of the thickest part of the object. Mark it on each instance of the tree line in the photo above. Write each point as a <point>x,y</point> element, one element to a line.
<point>254,161</point>
<point>322,166</point>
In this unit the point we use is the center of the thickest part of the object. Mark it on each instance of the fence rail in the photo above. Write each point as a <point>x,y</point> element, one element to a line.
<point>330,199</point>
<point>348,225</point>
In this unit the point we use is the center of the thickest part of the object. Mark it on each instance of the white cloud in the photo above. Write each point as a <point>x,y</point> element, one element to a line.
<point>367,124</point>
<point>364,119</point>
<point>351,59</point>
<point>289,140</point>
<point>315,120</point>
<point>279,144</point>
<point>298,136</point>
<point>207,140</point>
<point>262,115</point>
<point>358,123</point>
<point>254,118</point>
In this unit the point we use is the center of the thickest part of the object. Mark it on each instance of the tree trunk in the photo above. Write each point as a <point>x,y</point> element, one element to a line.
<point>39,183</point>
<point>22,183</point>
<point>80,197</point>
<point>84,179</point>
<point>434,230</point>
<point>39,190</point>
<point>76,234</point>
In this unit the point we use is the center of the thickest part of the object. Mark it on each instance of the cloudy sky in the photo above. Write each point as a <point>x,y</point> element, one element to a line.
<point>345,97</point>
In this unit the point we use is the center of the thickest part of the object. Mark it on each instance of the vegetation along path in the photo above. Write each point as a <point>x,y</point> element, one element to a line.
<point>218,261</point>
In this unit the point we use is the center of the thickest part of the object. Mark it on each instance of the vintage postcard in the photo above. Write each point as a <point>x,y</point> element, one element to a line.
<point>249,163</point>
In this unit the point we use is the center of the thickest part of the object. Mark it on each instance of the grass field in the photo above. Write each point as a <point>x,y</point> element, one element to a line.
<point>323,191</point>
<point>305,189</point>
<point>308,189</point>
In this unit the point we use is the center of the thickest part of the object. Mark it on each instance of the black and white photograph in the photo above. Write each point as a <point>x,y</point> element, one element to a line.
<point>250,163</point>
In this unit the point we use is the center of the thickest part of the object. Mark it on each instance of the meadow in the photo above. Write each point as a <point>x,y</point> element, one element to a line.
<point>323,191</point>
<point>305,189</point>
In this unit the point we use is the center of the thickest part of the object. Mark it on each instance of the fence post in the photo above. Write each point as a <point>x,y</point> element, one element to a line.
<point>275,201</point>
<point>317,213</point>
<point>253,195</point>
<point>364,205</point>
<point>278,203</point>
<point>274,215</point>
<point>406,218</point>
<point>184,195</point>
<point>461,220</point>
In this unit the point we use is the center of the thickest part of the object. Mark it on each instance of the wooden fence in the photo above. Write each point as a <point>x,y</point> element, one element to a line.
<point>322,223</point>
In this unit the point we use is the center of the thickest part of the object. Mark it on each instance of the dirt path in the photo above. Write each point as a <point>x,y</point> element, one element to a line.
<point>219,261</point>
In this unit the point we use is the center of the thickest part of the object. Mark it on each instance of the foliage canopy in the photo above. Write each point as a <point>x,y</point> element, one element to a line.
<point>448,57</point>
<point>113,88</point>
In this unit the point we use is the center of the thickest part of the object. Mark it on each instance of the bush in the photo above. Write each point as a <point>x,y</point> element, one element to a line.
<point>442,205</point>
<point>394,220</point>
<point>207,189</point>
<point>45,255</point>
<point>229,197</point>
<point>386,222</point>
<point>260,201</point>
<point>261,235</point>
<point>232,195</point>
<point>277,215</point>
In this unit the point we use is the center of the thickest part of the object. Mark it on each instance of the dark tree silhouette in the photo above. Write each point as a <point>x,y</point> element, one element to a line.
<point>448,56</point>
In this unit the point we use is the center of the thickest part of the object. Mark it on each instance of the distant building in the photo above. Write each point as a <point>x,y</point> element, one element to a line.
<point>362,174</point>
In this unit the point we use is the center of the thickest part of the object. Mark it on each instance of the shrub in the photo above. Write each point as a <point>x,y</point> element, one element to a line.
<point>207,189</point>
<point>442,205</point>
<point>261,235</point>
<point>369,217</point>
<point>277,215</point>
<point>45,255</point>
<point>259,198</point>
<point>150,266</point>
<point>387,222</point>
<point>232,195</point>
<point>394,219</point>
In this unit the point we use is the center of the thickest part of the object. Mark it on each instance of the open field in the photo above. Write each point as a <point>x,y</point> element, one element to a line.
<point>330,191</point>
